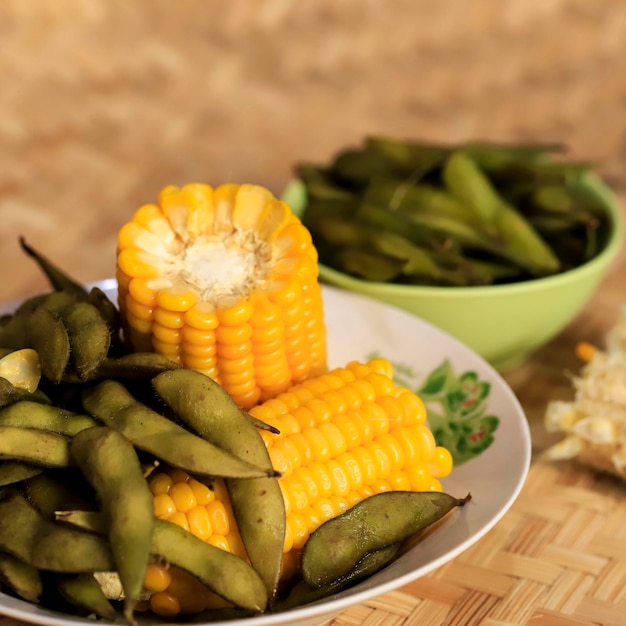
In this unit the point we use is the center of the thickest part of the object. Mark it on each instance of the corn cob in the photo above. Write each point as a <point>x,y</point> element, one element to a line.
<point>224,281</point>
<point>344,435</point>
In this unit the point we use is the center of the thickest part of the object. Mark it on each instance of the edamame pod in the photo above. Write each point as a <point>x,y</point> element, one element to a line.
<point>337,546</point>
<point>48,336</point>
<point>36,447</point>
<point>59,280</point>
<point>89,336</point>
<point>109,463</point>
<point>423,198</point>
<point>210,411</point>
<point>109,312</point>
<point>115,406</point>
<point>91,521</point>
<point>46,545</point>
<point>258,504</point>
<point>371,563</point>
<point>226,574</point>
<point>9,394</point>
<point>22,578</point>
<point>84,592</point>
<point>29,414</point>
<point>357,167</point>
<point>134,366</point>
<point>12,472</point>
<point>42,330</point>
<point>409,156</point>
<point>53,491</point>
<point>467,182</point>
<point>374,267</point>
<point>261,425</point>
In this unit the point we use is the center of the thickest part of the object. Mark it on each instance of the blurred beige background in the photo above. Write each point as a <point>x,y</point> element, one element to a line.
<point>103,102</point>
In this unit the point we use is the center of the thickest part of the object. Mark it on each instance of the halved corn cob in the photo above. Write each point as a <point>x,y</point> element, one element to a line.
<point>224,281</point>
<point>344,435</point>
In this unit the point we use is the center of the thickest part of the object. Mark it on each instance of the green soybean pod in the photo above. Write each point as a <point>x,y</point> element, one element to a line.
<point>498,219</point>
<point>336,547</point>
<point>371,563</point>
<point>226,574</point>
<point>89,336</point>
<point>368,265</point>
<point>464,179</point>
<point>147,430</point>
<point>258,504</point>
<point>10,394</point>
<point>134,366</point>
<point>22,578</point>
<point>59,280</point>
<point>91,521</point>
<point>409,156</point>
<point>41,329</point>
<point>28,535</point>
<point>83,592</point>
<point>48,336</point>
<point>110,313</point>
<point>29,414</point>
<point>51,491</point>
<point>36,447</point>
<point>110,464</point>
<point>12,472</point>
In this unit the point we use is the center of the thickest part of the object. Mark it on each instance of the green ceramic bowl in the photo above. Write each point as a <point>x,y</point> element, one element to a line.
<point>502,323</point>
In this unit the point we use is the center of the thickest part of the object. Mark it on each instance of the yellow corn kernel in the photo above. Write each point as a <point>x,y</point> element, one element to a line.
<point>183,496</point>
<point>220,516</point>
<point>344,436</point>
<point>202,493</point>
<point>180,519</point>
<point>585,351</point>
<point>160,483</point>
<point>441,462</point>
<point>139,310</point>
<point>229,277</point>
<point>157,578</point>
<point>168,349</point>
<point>189,592</point>
<point>164,603</point>
<point>169,319</point>
<point>137,263</point>
<point>164,506</point>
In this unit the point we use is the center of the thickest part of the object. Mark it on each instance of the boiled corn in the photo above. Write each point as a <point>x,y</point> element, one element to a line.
<point>225,281</point>
<point>344,435</point>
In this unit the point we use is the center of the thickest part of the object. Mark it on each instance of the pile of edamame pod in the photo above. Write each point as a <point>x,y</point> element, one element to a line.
<point>82,426</point>
<point>466,214</point>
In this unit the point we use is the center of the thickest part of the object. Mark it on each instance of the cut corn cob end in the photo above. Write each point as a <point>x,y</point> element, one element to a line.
<point>225,281</point>
<point>343,436</point>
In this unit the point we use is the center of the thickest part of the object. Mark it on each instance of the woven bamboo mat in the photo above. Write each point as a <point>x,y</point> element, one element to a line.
<point>103,102</point>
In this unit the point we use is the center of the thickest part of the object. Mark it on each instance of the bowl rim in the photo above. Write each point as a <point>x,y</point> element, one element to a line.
<point>294,195</point>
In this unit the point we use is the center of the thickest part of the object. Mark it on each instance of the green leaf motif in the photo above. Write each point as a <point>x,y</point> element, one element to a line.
<point>457,411</point>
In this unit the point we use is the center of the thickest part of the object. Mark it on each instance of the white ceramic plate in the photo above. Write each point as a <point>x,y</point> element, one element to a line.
<point>472,405</point>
